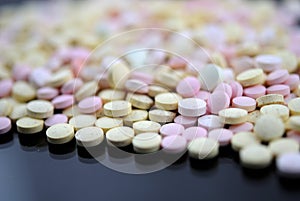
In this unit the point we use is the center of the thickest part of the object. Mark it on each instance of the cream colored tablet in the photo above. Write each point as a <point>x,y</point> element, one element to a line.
<point>276,110</point>
<point>118,108</point>
<point>146,127</point>
<point>86,90</point>
<point>107,123</point>
<point>293,123</point>
<point>256,156</point>
<point>120,136</point>
<point>23,92</point>
<point>89,136</point>
<point>5,107</point>
<point>40,109</point>
<point>251,77</point>
<point>268,127</point>
<point>253,116</point>
<point>243,139</point>
<point>233,115</point>
<point>270,99</point>
<point>18,112</point>
<point>140,101</point>
<point>167,77</point>
<point>161,116</point>
<point>283,145</point>
<point>134,116</point>
<point>146,142</point>
<point>167,101</point>
<point>59,78</point>
<point>118,74</point>
<point>82,121</point>
<point>289,60</point>
<point>294,106</point>
<point>71,111</point>
<point>155,90</point>
<point>108,95</point>
<point>203,148</point>
<point>27,125</point>
<point>60,133</point>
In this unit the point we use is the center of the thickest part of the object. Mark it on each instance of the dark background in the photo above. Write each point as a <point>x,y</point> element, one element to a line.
<point>35,174</point>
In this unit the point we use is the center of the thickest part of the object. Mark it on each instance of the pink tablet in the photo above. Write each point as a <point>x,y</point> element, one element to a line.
<point>279,89</point>
<point>255,91</point>
<point>171,129</point>
<point>186,121</point>
<point>188,87</point>
<point>90,104</point>
<point>194,132</point>
<point>56,119</point>
<point>63,101</point>
<point>47,93</point>
<point>5,125</point>
<point>222,135</point>
<point>245,127</point>
<point>5,87</point>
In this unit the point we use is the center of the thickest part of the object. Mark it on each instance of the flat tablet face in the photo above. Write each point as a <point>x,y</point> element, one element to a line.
<point>89,136</point>
<point>60,133</point>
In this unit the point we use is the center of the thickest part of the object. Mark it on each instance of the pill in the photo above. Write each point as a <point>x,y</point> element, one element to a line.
<point>295,135</point>
<point>40,109</point>
<point>5,87</point>
<point>136,86</point>
<point>118,108</point>
<point>56,119</point>
<point>222,135</point>
<point>146,142</point>
<point>255,156</point>
<point>194,132</point>
<point>18,112</point>
<point>255,91</point>
<point>27,125</point>
<point>244,102</point>
<point>89,136</point>
<point>47,93</point>
<point>60,77</point>
<point>21,72</point>
<point>288,165</point>
<point>279,89</point>
<point>268,62</point>
<point>161,116</point>
<point>118,74</point>
<point>251,77</point>
<point>289,60</point>
<point>140,101</point>
<point>6,107</point>
<point>90,105</point>
<point>224,87</point>
<point>120,136</point>
<point>233,115</point>
<point>244,127</point>
<point>237,89</point>
<point>203,95</point>
<point>71,111</point>
<point>217,101</point>
<point>243,139</point>
<point>209,77</point>
<point>210,122</point>
<point>171,129</point>
<point>146,127</point>
<point>174,144</point>
<point>268,127</point>
<point>106,123</point>
<point>192,107</point>
<point>203,148</point>
<point>5,125</point>
<point>283,145</point>
<point>277,77</point>
<point>241,64</point>
<point>23,92</point>
<point>167,77</point>
<point>167,101</point>
<point>63,101</point>
<point>108,95</point>
<point>155,90</point>
<point>276,110</point>
<point>293,81</point>
<point>134,116</point>
<point>147,78</point>
<point>186,121</point>
<point>86,90</point>
<point>39,77</point>
<point>60,133</point>
<point>270,99</point>
<point>294,106</point>
<point>293,123</point>
<point>82,121</point>
<point>188,87</point>
<point>71,86</point>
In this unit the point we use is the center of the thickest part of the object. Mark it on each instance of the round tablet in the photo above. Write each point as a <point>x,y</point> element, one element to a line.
<point>86,90</point>
<point>117,108</point>
<point>256,156</point>
<point>71,86</point>
<point>167,101</point>
<point>171,129</point>
<point>47,93</point>
<point>194,132</point>
<point>188,87</point>
<point>89,136</point>
<point>161,116</point>
<point>209,77</point>
<point>118,74</point>
<point>140,101</point>
<point>270,99</point>
<point>203,148</point>
<point>174,144</point>
<point>210,122</point>
<point>277,77</point>
<point>146,127</point>
<point>136,86</point>
<point>224,87</point>
<point>251,77</point>
<point>23,92</point>
<point>58,78</point>
<point>288,164</point>
<point>40,109</point>
<point>6,107</point>
<point>155,90</point>
<point>18,112</point>
<point>82,121</point>
<point>268,127</point>
<point>268,62</point>
<point>217,101</point>
<point>192,107</point>
<point>244,127</point>
<point>60,133</point>
<point>293,81</point>
<point>233,116</point>
<point>90,105</point>
<point>244,102</point>
<point>283,145</point>
<point>203,95</point>
<point>276,110</point>
<point>63,101</point>
<point>56,119</point>
<point>134,116</point>
<point>243,139</point>
<point>106,123</point>
<point>27,125</point>
<point>5,125</point>
<point>71,111</point>
<point>222,135</point>
<point>120,136</point>
<point>279,89</point>
<point>294,106</point>
<point>255,91</point>
<point>147,78</point>
<point>5,87</point>
<point>237,89</point>
<point>185,121</point>
<point>146,142</point>
<point>293,123</point>
<point>108,95</point>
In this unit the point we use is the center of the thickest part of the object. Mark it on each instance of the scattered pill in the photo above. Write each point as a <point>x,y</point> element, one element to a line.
<point>120,136</point>
<point>294,106</point>
<point>40,109</point>
<point>90,105</point>
<point>192,107</point>
<point>210,122</point>
<point>134,116</point>
<point>23,92</point>
<point>203,148</point>
<point>188,87</point>
<point>56,119</point>
<point>192,133</point>
<point>161,116</point>
<point>108,95</point>
<point>5,125</point>
<point>277,110</point>
<point>140,101</point>
<point>251,77</point>
<point>5,87</point>
<point>117,108</point>
<point>243,139</point>
<point>244,127</point>
<point>268,62</point>
<point>106,123</point>
<point>47,93</point>
<point>233,116</point>
<point>63,101</point>
<point>270,99</point>
<point>27,125</point>
<point>244,102</point>
<point>255,91</point>
<point>217,101</point>
<point>288,165</point>
<point>171,129</point>
<point>18,112</point>
<point>146,142</point>
<point>268,127</point>
<point>60,133</point>
<point>255,156</point>
<point>186,121</point>
<point>283,145</point>
<point>89,136</point>
<point>222,135</point>
<point>277,77</point>
<point>279,89</point>
<point>167,101</point>
<point>174,144</point>
<point>136,86</point>
<point>146,127</point>
<point>82,121</point>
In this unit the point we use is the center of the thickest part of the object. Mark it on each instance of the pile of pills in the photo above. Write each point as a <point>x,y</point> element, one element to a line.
<point>228,78</point>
